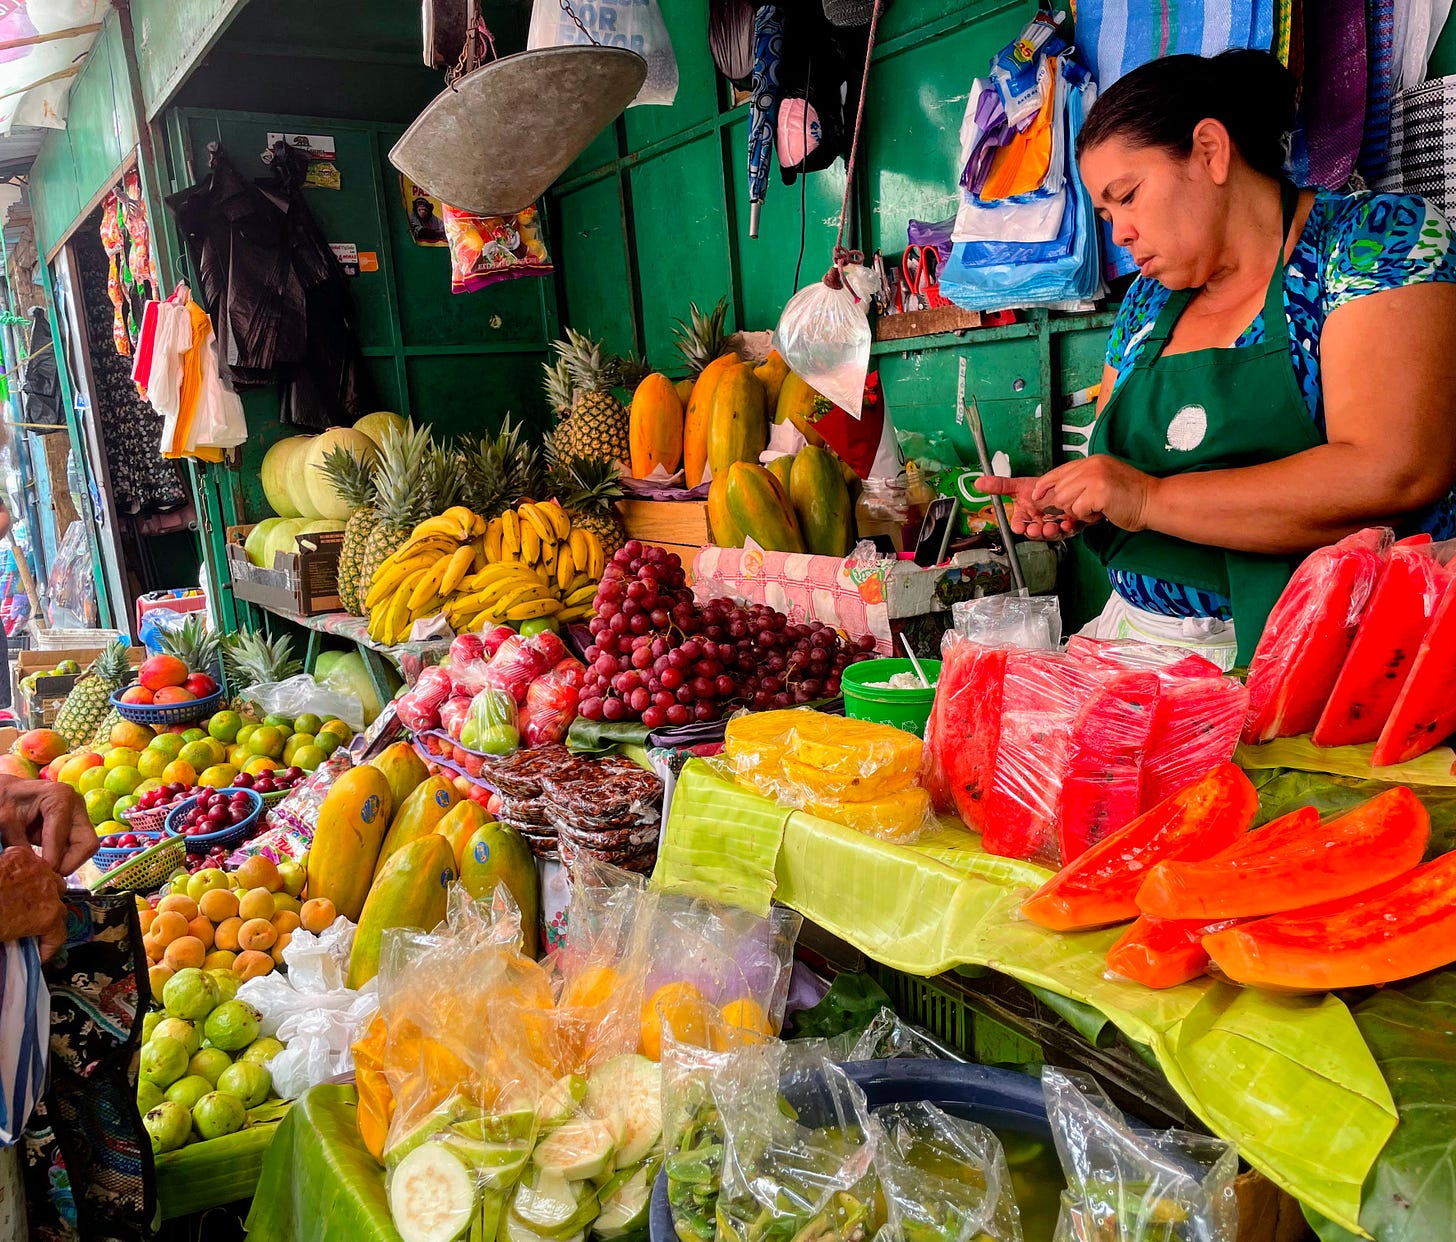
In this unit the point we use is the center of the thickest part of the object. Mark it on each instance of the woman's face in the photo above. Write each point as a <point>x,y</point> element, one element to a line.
<point>1167,209</point>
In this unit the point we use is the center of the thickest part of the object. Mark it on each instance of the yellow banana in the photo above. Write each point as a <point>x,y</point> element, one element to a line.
<point>582,595</point>
<point>565,567</point>
<point>536,608</point>
<point>397,614</point>
<point>530,544</point>
<point>597,559</point>
<point>582,579</point>
<point>543,575</point>
<point>521,595</point>
<point>540,523</point>
<point>456,568</point>
<point>461,519</point>
<point>510,535</point>
<point>478,558</point>
<point>441,524</point>
<point>556,515</point>
<point>579,613</point>
<point>501,571</point>
<point>493,533</point>
<point>477,526</point>
<point>580,550</point>
<point>388,578</point>
<point>549,552</point>
<point>428,583</point>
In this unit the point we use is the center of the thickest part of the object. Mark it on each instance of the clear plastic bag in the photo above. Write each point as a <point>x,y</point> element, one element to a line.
<point>550,708</point>
<point>291,823</point>
<point>886,1038</point>
<point>634,24</point>
<point>824,335</point>
<point>491,727</point>
<point>517,663</point>
<point>1126,1185</point>
<point>1032,622</point>
<point>70,588</point>
<point>943,1179</point>
<point>419,707</point>
<point>692,1130</point>
<point>301,694</point>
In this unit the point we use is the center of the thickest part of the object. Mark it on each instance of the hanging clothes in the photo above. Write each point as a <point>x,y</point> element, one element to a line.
<point>177,369</point>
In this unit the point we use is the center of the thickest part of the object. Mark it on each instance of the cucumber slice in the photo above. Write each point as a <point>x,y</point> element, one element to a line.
<point>431,1195</point>
<point>577,1150</point>
<point>626,1093</point>
<point>553,1207</point>
<point>511,1230</point>
<point>625,1209</point>
<point>516,1126</point>
<point>561,1101</point>
<point>486,1223</point>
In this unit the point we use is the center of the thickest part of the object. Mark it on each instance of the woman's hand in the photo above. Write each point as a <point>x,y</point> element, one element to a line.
<point>50,815</point>
<point>1065,500</point>
<point>30,899</point>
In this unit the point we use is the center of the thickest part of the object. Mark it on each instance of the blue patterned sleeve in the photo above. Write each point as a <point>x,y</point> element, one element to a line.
<point>1386,241</point>
<point>1134,315</point>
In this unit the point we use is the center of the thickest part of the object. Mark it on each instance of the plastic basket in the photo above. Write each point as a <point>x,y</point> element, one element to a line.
<point>167,713</point>
<point>61,640</point>
<point>208,841</point>
<point>904,709</point>
<point>138,870</point>
<point>153,819</point>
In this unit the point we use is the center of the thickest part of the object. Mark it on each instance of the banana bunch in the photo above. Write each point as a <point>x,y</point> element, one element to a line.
<point>423,572</point>
<point>567,561</point>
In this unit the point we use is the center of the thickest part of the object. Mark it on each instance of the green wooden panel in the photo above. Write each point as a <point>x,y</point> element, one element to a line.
<point>171,37</point>
<point>92,120</point>
<point>697,80</point>
<point>589,243</point>
<point>682,254</point>
<point>461,395</point>
<point>909,20</point>
<point>55,199</point>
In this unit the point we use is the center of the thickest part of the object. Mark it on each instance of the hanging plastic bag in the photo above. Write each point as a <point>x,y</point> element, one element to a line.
<point>824,336</point>
<point>1031,622</point>
<point>485,250</point>
<point>634,24</point>
<point>70,590</point>
<point>301,694</point>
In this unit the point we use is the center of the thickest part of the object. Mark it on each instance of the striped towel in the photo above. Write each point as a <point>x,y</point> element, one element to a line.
<point>25,1022</point>
<point>1332,109</point>
<point>1116,36</point>
<point>1380,69</point>
<point>1422,131</point>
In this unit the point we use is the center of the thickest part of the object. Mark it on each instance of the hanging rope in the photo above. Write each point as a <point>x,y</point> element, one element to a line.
<point>834,277</point>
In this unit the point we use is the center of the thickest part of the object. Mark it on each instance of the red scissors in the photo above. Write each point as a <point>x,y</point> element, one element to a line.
<point>920,279</point>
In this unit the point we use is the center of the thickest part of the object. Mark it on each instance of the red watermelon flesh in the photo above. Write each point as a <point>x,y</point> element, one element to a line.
<point>1410,589</point>
<point>1424,715</point>
<point>966,725</point>
<point>1308,636</point>
<point>1196,727</point>
<point>1128,653</point>
<point>1103,786</point>
<point>1042,694</point>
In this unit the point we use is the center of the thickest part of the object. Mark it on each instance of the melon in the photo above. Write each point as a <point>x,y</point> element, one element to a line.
<point>257,539</point>
<point>375,425</point>
<point>323,499</point>
<point>281,539</point>
<point>275,475</point>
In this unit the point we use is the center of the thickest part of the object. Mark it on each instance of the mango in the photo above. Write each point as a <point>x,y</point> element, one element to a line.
<point>352,823</point>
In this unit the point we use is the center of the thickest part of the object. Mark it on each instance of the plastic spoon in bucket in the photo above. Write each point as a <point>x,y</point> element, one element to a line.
<point>914,663</point>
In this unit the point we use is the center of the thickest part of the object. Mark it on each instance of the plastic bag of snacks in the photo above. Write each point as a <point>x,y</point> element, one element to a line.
<point>491,727</point>
<point>487,249</point>
<point>1122,1184</point>
<point>292,822</point>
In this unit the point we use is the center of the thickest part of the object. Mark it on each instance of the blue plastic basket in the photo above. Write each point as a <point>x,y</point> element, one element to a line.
<point>106,858</point>
<point>208,841</point>
<point>1001,1099</point>
<point>167,713</point>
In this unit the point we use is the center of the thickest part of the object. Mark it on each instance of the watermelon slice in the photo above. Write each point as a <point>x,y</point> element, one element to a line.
<point>1425,711</point>
<point>1308,636</point>
<point>969,728</point>
<point>1196,727</point>
<point>1128,653</point>
<point>1162,953</point>
<point>1103,786</point>
<point>1410,589</point>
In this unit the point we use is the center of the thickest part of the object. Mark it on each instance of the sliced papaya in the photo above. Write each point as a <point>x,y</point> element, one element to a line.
<point>1425,711</point>
<point>1401,928</point>
<point>1162,953</point>
<point>1295,862</point>
<point>1100,887</point>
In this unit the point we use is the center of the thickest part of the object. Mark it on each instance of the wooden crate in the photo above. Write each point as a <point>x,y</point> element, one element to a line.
<point>38,709</point>
<point>680,526</point>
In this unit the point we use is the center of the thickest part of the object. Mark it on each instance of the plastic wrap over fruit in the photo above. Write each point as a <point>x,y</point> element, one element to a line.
<point>491,726</point>
<point>419,707</point>
<point>516,664</point>
<point>1034,622</point>
<point>453,713</point>
<point>549,709</point>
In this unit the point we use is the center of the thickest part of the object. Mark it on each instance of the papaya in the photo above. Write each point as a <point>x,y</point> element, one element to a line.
<point>1162,953</point>
<point>853,484</point>
<point>802,406</point>
<point>376,1101</point>
<point>771,374</point>
<point>737,422</point>
<point>459,824</point>
<point>430,802</point>
<point>684,390</point>
<point>695,423</point>
<point>402,768</point>
<point>782,468</point>
<point>760,508</point>
<point>655,427</point>
<point>723,528</point>
<point>496,854</point>
<point>821,502</point>
<point>411,889</point>
<point>352,823</point>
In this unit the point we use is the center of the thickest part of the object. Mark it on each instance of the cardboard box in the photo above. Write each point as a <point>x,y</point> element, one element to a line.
<point>303,583</point>
<point>38,708</point>
<point>680,526</point>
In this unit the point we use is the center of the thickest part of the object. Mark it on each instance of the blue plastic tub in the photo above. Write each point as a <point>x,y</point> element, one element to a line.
<point>1001,1099</point>
<point>165,715</point>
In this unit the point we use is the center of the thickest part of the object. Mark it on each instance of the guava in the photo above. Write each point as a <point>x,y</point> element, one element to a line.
<point>233,1025</point>
<point>182,1031</point>
<point>164,1061</point>
<point>227,982</point>
<point>209,1064</point>
<point>168,1125</point>
<point>187,1091</point>
<point>217,1113</point>
<point>190,993</point>
<point>149,1023</point>
<point>261,1051</point>
<point>250,1083</point>
<point>149,1095</point>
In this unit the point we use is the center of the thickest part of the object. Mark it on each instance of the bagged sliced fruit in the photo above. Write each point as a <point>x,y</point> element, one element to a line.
<point>1424,714</point>
<point>800,755</point>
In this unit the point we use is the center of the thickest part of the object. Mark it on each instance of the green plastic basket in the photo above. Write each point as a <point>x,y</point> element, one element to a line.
<point>904,709</point>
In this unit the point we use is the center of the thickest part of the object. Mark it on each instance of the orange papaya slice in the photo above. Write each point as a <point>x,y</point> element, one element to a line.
<point>1162,953</point>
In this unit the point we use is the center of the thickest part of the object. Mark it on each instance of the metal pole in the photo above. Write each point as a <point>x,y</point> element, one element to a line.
<point>972,416</point>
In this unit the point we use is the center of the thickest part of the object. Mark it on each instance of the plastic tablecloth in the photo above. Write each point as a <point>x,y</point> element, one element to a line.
<point>1289,1079</point>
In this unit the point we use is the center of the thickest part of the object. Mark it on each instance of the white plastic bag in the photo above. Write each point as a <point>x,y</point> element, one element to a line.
<point>634,24</point>
<point>1033,622</point>
<point>300,694</point>
<point>824,336</point>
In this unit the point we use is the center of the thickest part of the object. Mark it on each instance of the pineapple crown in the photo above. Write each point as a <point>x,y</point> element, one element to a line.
<point>352,477</point>
<point>590,484</point>
<point>702,338</point>
<point>191,642</point>
<point>558,387</point>
<point>631,371</point>
<point>586,363</point>
<point>499,470</point>
<point>250,657</point>
<point>409,477</point>
<point>112,665</point>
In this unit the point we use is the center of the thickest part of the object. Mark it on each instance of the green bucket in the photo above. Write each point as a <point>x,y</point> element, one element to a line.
<point>905,709</point>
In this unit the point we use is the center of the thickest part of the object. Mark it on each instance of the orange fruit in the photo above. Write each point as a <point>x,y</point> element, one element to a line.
<point>157,977</point>
<point>183,952</point>
<point>219,959</point>
<point>257,934</point>
<point>226,935</point>
<point>260,872</point>
<point>146,918</point>
<point>180,771</point>
<point>594,986</point>
<point>742,1022</point>
<point>179,902</point>
<point>252,964</point>
<point>256,903</point>
<point>259,764</point>
<point>278,948</point>
<point>318,914</point>
<point>219,904</point>
<point>284,922</point>
<point>168,926</point>
<point>681,1010</point>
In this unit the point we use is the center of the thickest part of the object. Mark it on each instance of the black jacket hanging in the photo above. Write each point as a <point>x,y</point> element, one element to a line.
<point>42,387</point>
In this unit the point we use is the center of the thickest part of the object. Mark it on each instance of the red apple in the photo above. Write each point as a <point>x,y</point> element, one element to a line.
<point>201,685</point>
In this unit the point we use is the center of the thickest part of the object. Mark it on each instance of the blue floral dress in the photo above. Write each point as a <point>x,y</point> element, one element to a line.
<point>1352,245</point>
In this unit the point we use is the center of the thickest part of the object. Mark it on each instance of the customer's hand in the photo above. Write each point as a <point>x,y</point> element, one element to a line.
<point>50,815</point>
<point>30,899</point>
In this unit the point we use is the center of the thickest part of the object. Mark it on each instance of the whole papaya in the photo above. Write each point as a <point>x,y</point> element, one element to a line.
<point>721,526</point>
<point>352,823</point>
<point>496,854</point>
<point>695,423</point>
<point>411,890</point>
<point>761,508</point>
<point>737,424</point>
<point>430,802</point>
<point>821,502</point>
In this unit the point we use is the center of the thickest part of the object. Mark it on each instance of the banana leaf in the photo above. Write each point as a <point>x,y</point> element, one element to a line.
<point>1431,769</point>
<point>219,1171</point>
<point>851,1004</point>
<point>1282,790</point>
<point>1287,1078</point>
<point>600,737</point>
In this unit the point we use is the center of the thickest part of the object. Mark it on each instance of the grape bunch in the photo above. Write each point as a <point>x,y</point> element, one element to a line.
<point>659,658</point>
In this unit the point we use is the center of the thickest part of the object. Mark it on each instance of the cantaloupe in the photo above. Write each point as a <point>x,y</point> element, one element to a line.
<point>374,425</point>
<point>275,474</point>
<point>323,499</point>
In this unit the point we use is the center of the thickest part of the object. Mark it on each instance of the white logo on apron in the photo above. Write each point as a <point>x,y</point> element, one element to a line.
<point>1188,429</point>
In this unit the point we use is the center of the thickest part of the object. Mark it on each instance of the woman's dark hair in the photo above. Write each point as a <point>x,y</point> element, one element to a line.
<point>1159,104</point>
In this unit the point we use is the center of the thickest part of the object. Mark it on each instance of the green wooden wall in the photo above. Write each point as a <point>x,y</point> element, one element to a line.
<point>171,37</point>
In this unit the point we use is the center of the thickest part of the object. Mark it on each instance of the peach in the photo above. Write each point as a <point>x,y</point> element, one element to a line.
<point>284,922</point>
<point>184,905</point>
<point>146,917</point>
<point>185,951</point>
<point>219,959</point>
<point>252,964</point>
<point>219,904</point>
<point>168,926</point>
<point>260,872</point>
<point>226,935</point>
<point>157,978</point>
<point>256,903</point>
<point>202,929</point>
<point>318,914</point>
<point>280,946</point>
<point>257,934</point>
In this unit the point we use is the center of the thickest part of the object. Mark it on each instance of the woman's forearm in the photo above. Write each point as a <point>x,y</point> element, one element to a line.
<point>1293,505</point>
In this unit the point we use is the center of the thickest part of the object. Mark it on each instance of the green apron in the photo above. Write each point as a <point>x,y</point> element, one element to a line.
<point>1211,409</point>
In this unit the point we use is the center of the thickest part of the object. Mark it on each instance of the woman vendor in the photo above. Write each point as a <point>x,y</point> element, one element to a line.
<point>1281,373</point>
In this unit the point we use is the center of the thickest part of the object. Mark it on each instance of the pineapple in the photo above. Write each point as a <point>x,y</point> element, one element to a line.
<point>250,658</point>
<point>499,470</point>
<point>597,425</point>
<point>702,338</point>
<point>588,488</point>
<point>192,643</point>
<point>88,704</point>
<point>407,485</point>
<point>354,480</point>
